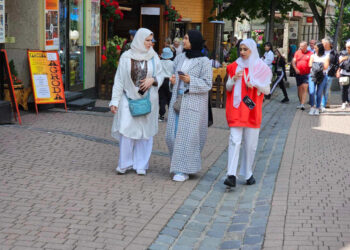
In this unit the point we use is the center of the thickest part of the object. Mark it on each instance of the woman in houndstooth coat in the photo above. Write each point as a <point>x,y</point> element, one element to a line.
<point>187,129</point>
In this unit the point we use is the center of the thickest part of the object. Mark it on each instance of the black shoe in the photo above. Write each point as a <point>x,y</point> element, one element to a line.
<point>267,97</point>
<point>251,181</point>
<point>161,118</point>
<point>285,100</point>
<point>230,181</point>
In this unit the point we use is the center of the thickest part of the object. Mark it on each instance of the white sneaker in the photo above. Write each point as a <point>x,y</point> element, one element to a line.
<point>317,111</point>
<point>122,171</point>
<point>312,111</point>
<point>343,106</point>
<point>323,109</point>
<point>141,172</point>
<point>180,177</point>
<point>299,106</point>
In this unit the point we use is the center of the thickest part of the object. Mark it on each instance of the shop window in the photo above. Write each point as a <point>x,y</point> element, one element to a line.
<point>72,43</point>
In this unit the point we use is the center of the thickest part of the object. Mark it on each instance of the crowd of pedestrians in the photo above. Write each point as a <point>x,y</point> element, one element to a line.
<point>182,78</point>
<point>316,66</point>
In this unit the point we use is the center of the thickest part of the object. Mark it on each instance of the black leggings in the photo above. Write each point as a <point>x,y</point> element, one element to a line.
<point>164,96</point>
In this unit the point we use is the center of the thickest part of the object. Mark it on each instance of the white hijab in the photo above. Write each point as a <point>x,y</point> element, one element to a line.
<point>259,73</point>
<point>138,50</point>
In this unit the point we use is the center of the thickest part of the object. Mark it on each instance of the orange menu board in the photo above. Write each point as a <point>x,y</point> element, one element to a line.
<point>46,76</point>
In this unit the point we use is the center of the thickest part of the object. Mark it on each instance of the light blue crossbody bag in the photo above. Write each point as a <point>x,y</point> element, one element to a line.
<point>143,106</point>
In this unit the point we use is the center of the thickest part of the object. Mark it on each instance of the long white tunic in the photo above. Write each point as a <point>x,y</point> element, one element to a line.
<point>142,127</point>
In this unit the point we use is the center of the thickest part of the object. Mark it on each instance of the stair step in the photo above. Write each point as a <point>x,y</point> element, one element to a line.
<point>71,96</point>
<point>81,103</point>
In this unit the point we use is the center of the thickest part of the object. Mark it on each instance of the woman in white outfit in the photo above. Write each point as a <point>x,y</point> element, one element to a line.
<point>249,79</point>
<point>138,76</point>
<point>269,56</point>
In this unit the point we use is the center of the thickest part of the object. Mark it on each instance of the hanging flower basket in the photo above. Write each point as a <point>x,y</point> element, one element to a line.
<point>171,14</point>
<point>110,10</point>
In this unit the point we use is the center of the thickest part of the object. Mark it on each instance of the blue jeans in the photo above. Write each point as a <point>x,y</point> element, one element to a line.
<point>326,91</point>
<point>318,90</point>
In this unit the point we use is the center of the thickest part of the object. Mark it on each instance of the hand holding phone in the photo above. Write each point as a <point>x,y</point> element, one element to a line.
<point>181,73</point>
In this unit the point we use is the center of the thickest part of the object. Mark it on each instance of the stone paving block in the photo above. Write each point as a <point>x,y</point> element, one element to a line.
<point>170,232</point>
<point>253,239</point>
<point>230,245</point>
<point>237,227</point>
<point>196,226</point>
<point>156,246</point>
<point>167,239</point>
<point>177,224</point>
<point>186,241</point>
<point>210,243</point>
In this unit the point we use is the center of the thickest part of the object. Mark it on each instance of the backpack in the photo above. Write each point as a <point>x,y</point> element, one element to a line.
<point>317,72</point>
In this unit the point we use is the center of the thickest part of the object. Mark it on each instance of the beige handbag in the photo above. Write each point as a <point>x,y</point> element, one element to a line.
<point>177,103</point>
<point>344,80</point>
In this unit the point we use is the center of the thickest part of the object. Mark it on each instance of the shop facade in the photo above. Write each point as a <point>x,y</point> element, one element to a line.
<point>71,27</point>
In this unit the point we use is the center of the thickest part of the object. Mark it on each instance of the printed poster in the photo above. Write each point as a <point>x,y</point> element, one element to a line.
<point>93,23</point>
<point>52,40</point>
<point>46,77</point>
<point>2,21</point>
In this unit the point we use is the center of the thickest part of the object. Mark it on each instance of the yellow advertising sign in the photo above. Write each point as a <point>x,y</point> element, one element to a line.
<point>46,76</point>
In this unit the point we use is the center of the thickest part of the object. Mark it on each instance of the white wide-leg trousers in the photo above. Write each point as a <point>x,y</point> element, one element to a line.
<point>250,143</point>
<point>135,153</point>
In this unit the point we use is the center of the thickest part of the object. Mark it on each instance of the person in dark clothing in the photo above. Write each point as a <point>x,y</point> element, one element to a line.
<point>280,70</point>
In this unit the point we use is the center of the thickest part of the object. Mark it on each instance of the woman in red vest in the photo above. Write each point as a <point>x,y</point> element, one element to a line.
<point>249,79</point>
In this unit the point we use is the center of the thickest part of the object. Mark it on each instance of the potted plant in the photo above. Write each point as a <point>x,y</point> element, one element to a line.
<point>110,60</point>
<point>171,14</point>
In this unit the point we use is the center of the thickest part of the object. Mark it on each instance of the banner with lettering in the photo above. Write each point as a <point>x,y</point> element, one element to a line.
<point>46,76</point>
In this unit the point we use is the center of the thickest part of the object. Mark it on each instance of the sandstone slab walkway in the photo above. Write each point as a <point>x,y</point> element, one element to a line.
<point>311,203</point>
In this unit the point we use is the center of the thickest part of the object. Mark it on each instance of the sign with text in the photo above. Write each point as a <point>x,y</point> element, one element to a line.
<point>51,25</point>
<point>309,19</point>
<point>46,76</point>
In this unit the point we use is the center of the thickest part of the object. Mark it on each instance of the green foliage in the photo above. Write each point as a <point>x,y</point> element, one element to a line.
<point>13,68</point>
<point>171,14</point>
<point>111,54</point>
<point>345,34</point>
<point>252,9</point>
<point>233,55</point>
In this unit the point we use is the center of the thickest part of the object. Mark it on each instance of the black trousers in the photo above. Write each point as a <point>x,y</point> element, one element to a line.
<point>164,96</point>
<point>280,82</point>
<point>345,93</point>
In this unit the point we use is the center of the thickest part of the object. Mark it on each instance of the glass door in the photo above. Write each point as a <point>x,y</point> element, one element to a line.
<point>72,43</point>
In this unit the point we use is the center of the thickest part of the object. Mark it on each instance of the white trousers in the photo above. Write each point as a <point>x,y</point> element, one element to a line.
<point>250,137</point>
<point>135,153</point>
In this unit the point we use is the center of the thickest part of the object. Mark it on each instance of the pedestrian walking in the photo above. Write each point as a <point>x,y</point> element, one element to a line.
<point>319,63</point>
<point>178,46</point>
<point>332,69</point>
<point>301,67</point>
<point>268,57</point>
<point>249,79</point>
<point>139,72</point>
<point>280,70</point>
<point>344,75</point>
<point>164,90</point>
<point>311,46</point>
<point>188,113</point>
<point>168,44</point>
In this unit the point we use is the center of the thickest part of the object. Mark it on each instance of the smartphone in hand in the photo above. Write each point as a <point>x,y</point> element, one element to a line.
<point>181,73</point>
<point>141,92</point>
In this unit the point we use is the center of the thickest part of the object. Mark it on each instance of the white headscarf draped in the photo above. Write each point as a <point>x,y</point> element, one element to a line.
<point>138,50</point>
<point>259,73</point>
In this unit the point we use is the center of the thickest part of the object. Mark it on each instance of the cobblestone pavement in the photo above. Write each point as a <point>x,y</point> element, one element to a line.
<point>214,218</point>
<point>59,190</point>
<point>311,203</point>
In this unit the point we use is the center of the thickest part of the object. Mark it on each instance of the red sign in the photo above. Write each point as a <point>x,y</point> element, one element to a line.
<point>297,13</point>
<point>309,19</point>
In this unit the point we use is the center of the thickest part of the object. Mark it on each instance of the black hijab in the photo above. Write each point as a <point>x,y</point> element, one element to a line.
<point>196,41</point>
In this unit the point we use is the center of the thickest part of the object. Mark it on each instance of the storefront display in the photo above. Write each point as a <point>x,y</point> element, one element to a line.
<point>51,25</point>
<point>2,21</point>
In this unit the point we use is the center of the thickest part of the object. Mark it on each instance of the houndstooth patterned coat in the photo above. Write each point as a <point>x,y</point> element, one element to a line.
<point>185,149</point>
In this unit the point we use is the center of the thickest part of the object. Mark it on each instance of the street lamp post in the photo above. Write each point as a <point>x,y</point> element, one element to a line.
<point>219,27</point>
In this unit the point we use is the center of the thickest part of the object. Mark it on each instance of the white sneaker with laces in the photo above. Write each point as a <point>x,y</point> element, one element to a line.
<point>317,111</point>
<point>122,171</point>
<point>312,111</point>
<point>343,106</point>
<point>181,177</point>
<point>323,109</point>
<point>141,172</point>
<point>300,106</point>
